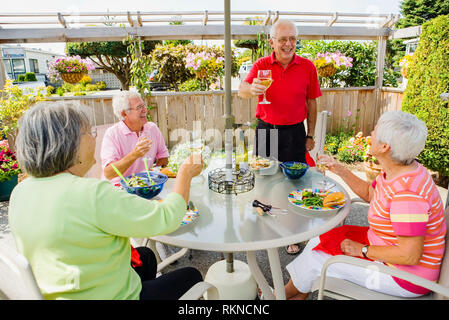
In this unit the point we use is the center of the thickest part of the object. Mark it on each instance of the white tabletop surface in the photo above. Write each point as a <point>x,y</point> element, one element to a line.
<point>229,223</point>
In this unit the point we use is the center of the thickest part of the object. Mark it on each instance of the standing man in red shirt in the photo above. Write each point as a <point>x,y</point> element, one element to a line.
<point>280,131</point>
<point>292,95</point>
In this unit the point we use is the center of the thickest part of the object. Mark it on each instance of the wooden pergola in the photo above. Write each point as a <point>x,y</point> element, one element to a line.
<point>197,25</point>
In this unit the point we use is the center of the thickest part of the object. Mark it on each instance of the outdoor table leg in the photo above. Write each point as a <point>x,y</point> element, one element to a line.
<point>258,275</point>
<point>276,273</point>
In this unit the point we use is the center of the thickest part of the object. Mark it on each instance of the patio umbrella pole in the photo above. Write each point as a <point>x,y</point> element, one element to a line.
<point>228,112</point>
<point>229,262</point>
<point>229,119</point>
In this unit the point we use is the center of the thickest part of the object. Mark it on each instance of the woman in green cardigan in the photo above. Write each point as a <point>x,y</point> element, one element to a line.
<point>75,231</point>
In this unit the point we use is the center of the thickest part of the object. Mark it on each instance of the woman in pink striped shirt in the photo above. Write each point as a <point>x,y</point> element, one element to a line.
<point>406,218</point>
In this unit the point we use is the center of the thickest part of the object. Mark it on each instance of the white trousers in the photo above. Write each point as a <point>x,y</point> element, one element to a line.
<point>306,268</point>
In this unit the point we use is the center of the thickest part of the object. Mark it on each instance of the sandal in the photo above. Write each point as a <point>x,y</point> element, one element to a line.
<point>260,294</point>
<point>290,251</point>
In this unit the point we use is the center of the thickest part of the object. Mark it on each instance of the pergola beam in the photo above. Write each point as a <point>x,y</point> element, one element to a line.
<point>410,32</point>
<point>188,32</point>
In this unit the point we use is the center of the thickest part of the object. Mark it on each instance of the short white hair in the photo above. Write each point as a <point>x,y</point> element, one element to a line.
<point>280,22</point>
<point>404,133</point>
<point>120,102</point>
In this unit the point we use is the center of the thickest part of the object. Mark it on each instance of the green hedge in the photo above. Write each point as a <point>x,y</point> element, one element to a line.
<point>30,76</point>
<point>428,78</point>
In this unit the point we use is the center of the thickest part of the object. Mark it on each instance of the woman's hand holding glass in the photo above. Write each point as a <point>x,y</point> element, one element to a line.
<point>325,162</point>
<point>192,166</point>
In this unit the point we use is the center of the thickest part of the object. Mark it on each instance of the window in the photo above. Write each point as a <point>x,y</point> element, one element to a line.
<point>34,66</point>
<point>18,66</point>
<point>8,66</point>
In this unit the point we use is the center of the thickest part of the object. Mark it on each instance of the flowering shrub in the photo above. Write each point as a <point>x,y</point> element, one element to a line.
<point>367,156</point>
<point>8,163</point>
<point>14,103</point>
<point>354,150</point>
<point>206,66</point>
<point>404,64</point>
<point>68,65</point>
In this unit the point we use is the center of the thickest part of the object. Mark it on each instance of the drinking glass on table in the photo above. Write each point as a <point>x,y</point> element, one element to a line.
<point>265,77</point>
<point>322,167</point>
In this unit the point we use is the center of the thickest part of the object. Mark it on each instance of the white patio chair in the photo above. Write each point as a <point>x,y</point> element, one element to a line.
<point>346,290</point>
<point>320,134</point>
<point>161,262</point>
<point>17,281</point>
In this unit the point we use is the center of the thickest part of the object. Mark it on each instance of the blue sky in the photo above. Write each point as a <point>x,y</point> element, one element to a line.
<point>348,6</point>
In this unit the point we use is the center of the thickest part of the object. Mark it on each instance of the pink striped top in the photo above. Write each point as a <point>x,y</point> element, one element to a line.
<point>409,205</point>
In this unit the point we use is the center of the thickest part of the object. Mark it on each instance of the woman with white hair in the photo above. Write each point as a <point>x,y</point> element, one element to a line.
<point>75,231</point>
<point>406,218</point>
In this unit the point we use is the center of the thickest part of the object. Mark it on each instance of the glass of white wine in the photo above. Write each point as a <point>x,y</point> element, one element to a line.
<point>265,77</point>
<point>322,167</point>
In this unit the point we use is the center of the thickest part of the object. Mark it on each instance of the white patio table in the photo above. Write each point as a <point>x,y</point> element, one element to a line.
<point>229,223</point>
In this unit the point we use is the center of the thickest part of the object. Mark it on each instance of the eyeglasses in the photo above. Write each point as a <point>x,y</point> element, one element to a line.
<point>284,40</point>
<point>138,108</point>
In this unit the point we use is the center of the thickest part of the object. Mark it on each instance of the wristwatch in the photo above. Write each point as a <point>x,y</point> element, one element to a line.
<point>310,137</point>
<point>365,251</point>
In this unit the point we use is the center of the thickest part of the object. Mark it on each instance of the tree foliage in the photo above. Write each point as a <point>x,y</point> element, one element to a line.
<point>170,61</point>
<point>414,13</point>
<point>428,78</point>
<point>417,12</point>
<point>113,56</point>
<point>364,54</point>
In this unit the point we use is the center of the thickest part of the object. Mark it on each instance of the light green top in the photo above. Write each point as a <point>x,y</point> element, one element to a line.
<point>75,234</point>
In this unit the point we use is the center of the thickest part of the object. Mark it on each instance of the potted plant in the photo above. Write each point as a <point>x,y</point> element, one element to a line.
<point>69,69</point>
<point>372,166</point>
<point>13,104</point>
<point>327,64</point>
<point>9,170</point>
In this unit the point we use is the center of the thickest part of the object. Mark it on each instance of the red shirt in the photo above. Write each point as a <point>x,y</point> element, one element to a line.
<point>289,91</point>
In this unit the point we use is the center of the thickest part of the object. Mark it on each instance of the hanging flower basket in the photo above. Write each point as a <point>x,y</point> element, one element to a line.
<point>327,71</point>
<point>72,77</point>
<point>69,69</point>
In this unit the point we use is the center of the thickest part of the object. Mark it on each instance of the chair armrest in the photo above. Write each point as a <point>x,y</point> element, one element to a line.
<point>198,290</point>
<point>419,281</point>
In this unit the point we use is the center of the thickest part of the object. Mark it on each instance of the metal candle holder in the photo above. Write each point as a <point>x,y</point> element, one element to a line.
<point>242,181</point>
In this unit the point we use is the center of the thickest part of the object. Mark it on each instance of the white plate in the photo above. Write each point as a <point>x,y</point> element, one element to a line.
<point>266,171</point>
<point>295,198</point>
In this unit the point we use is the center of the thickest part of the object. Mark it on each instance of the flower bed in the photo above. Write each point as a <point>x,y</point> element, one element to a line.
<point>9,166</point>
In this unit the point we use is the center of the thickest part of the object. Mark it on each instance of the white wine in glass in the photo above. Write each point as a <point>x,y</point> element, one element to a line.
<point>322,167</point>
<point>265,77</point>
